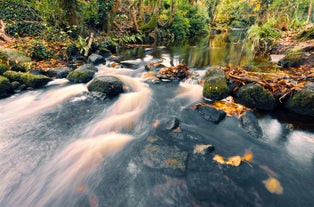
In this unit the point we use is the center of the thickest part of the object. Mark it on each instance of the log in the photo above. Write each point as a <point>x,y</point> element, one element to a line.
<point>3,35</point>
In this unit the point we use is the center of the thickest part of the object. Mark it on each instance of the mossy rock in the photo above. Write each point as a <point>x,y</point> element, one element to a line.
<point>215,85</point>
<point>256,96</point>
<point>3,68</point>
<point>15,55</point>
<point>80,76</point>
<point>302,102</point>
<point>28,79</point>
<point>109,85</point>
<point>5,87</point>
<point>292,59</point>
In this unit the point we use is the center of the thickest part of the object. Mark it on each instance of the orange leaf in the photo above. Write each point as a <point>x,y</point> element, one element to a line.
<point>219,159</point>
<point>248,156</point>
<point>273,185</point>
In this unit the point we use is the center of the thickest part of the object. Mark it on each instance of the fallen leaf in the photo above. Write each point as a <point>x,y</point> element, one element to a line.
<point>201,148</point>
<point>219,159</point>
<point>273,185</point>
<point>248,156</point>
<point>93,201</point>
<point>234,161</point>
<point>156,123</point>
<point>80,188</point>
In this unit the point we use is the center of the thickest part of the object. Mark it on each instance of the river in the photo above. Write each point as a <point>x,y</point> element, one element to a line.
<point>61,147</point>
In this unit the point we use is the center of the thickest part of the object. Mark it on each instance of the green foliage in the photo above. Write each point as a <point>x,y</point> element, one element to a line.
<point>189,21</point>
<point>82,44</point>
<point>129,39</point>
<point>38,51</point>
<point>263,37</point>
<point>20,18</point>
<point>24,28</point>
<point>14,11</point>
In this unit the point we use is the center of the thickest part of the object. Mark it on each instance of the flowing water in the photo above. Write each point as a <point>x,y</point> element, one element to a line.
<point>54,141</point>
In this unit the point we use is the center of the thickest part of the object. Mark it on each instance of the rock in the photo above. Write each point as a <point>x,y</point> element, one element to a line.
<point>83,74</point>
<point>37,71</point>
<point>180,72</point>
<point>211,114</point>
<point>59,72</point>
<point>173,123</point>
<point>30,80</point>
<point>154,66</point>
<point>292,59</point>
<point>5,87</point>
<point>109,85</point>
<point>96,59</point>
<point>165,158</point>
<point>87,67</point>
<point>256,96</point>
<point>215,84</point>
<point>250,124</point>
<point>104,52</point>
<point>302,101</point>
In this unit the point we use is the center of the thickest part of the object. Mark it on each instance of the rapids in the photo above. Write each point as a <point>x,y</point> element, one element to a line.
<point>61,147</point>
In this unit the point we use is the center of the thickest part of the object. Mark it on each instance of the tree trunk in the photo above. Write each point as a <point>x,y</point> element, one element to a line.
<point>3,35</point>
<point>309,14</point>
<point>152,23</point>
<point>70,8</point>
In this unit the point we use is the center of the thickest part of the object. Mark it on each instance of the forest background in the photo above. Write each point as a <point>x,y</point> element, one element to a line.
<point>56,28</point>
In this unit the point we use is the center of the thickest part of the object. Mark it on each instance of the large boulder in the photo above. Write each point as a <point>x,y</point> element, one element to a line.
<point>5,87</point>
<point>302,101</point>
<point>83,74</point>
<point>96,59</point>
<point>27,79</point>
<point>215,84</point>
<point>256,96</point>
<point>109,85</point>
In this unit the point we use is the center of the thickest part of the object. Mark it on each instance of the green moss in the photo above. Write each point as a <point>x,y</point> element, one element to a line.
<point>80,76</point>
<point>4,84</point>
<point>30,80</point>
<point>256,96</point>
<point>215,85</point>
<point>292,59</point>
<point>302,102</point>
<point>3,68</point>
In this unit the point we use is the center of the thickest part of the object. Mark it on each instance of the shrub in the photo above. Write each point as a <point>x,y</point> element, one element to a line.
<point>38,51</point>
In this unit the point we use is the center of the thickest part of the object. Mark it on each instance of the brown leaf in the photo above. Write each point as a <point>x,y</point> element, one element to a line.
<point>219,159</point>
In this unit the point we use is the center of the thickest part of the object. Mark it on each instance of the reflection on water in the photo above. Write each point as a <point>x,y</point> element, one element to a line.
<point>219,49</point>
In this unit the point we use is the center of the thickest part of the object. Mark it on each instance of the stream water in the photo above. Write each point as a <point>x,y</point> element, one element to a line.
<point>60,146</point>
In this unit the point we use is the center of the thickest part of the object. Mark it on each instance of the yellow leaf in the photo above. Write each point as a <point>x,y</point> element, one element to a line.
<point>219,159</point>
<point>201,148</point>
<point>234,161</point>
<point>273,185</point>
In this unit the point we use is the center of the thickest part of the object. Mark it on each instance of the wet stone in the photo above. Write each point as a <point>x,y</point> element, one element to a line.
<point>172,123</point>
<point>211,114</point>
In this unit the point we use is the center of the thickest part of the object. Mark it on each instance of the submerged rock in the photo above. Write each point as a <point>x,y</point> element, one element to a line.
<point>109,85</point>
<point>211,114</point>
<point>250,124</point>
<point>256,96</point>
<point>302,101</point>
<point>215,85</point>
